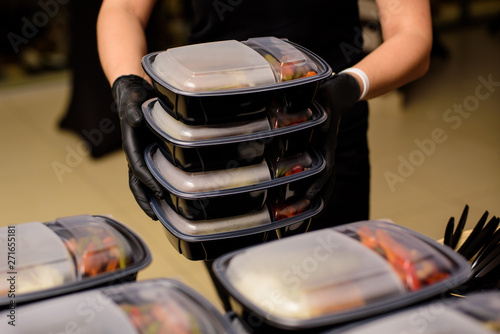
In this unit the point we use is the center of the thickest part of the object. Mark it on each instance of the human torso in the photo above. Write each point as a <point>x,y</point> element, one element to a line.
<point>329,28</point>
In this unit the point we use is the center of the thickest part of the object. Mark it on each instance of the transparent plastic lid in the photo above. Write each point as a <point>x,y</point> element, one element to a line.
<point>88,312</point>
<point>318,274</point>
<point>96,247</point>
<point>277,122</point>
<point>212,180</point>
<point>418,264</point>
<point>143,307</point>
<point>213,66</point>
<point>477,312</point>
<point>339,274</point>
<point>163,306</point>
<point>213,226</point>
<point>39,260</point>
<point>232,65</point>
<point>482,305</point>
<point>286,60</point>
<point>283,210</point>
<point>184,132</point>
<point>285,166</point>
<point>423,320</point>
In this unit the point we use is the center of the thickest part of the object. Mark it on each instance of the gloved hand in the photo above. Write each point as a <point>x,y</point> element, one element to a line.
<point>130,92</point>
<point>337,95</point>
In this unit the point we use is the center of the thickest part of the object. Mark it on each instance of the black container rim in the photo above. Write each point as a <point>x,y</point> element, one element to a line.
<point>273,225</point>
<point>148,60</point>
<point>148,157</point>
<point>459,276</point>
<point>83,284</point>
<point>319,116</point>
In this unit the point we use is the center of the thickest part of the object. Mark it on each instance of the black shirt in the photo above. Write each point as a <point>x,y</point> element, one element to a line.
<point>330,28</point>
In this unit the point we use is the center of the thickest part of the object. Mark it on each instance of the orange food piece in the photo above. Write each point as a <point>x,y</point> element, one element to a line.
<point>367,237</point>
<point>286,73</point>
<point>400,259</point>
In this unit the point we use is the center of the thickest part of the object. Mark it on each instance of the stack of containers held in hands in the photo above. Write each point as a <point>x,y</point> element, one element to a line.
<point>235,123</point>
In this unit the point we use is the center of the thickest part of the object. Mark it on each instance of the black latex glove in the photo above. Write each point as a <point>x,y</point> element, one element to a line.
<point>337,95</point>
<point>130,92</point>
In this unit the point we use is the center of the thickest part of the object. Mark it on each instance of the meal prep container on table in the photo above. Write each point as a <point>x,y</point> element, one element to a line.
<point>149,306</point>
<point>314,281</point>
<point>211,213</point>
<point>196,148</point>
<point>228,81</point>
<point>477,313</point>
<point>67,255</point>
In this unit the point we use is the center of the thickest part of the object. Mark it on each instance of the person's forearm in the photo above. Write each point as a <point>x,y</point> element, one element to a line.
<point>404,55</point>
<point>397,62</point>
<point>121,38</point>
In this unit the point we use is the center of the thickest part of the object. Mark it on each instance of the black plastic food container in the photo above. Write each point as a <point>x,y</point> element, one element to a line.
<point>234,191</point>
<point>476,313</point>
<point>143,307</point>
<point>69,254</point>
<point>204,148</point>
<point>318,280</point>
<point>228,81</point>
<point>209,239</point>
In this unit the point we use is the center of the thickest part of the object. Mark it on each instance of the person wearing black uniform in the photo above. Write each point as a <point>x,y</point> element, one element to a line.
<point>329,28</point>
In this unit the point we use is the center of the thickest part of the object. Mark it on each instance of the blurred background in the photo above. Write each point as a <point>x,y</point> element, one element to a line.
<point>435,144</point>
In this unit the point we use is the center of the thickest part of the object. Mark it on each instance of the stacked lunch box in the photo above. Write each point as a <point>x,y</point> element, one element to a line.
<point>235,123</point>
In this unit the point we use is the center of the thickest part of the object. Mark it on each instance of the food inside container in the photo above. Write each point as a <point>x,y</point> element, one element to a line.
<point>338,274</point>
<point>96,248</point>
<point>165,306</point>
<point>39,259</point>
<point>282,210</point>
<point>230,81</point>
<point>195,148</point>
<point>144,307</point>
<point>180,131</point>
<point>209,239</point>
<point>417,264</point>
<point>231,180</point>
<point>285,166</point>
<point>229,65</point>
<point>286,60</point>
<point>211,180</point>
<point>69,254</point>
<point>342,278</point>
<point>280,117</point>
<point>212,66</point>
<point>213,226</point>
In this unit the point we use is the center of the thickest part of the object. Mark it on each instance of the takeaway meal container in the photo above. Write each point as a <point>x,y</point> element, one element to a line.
<point>211,213</point>
<point>233,191</point>
<point>67,255</point>
<point>195,148</point>
<point>230,81</point>
<point>235,124</point>
<point>314,281</point>
<point>149,306</point>
<point>208,239</point>
<point>476,313</point>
